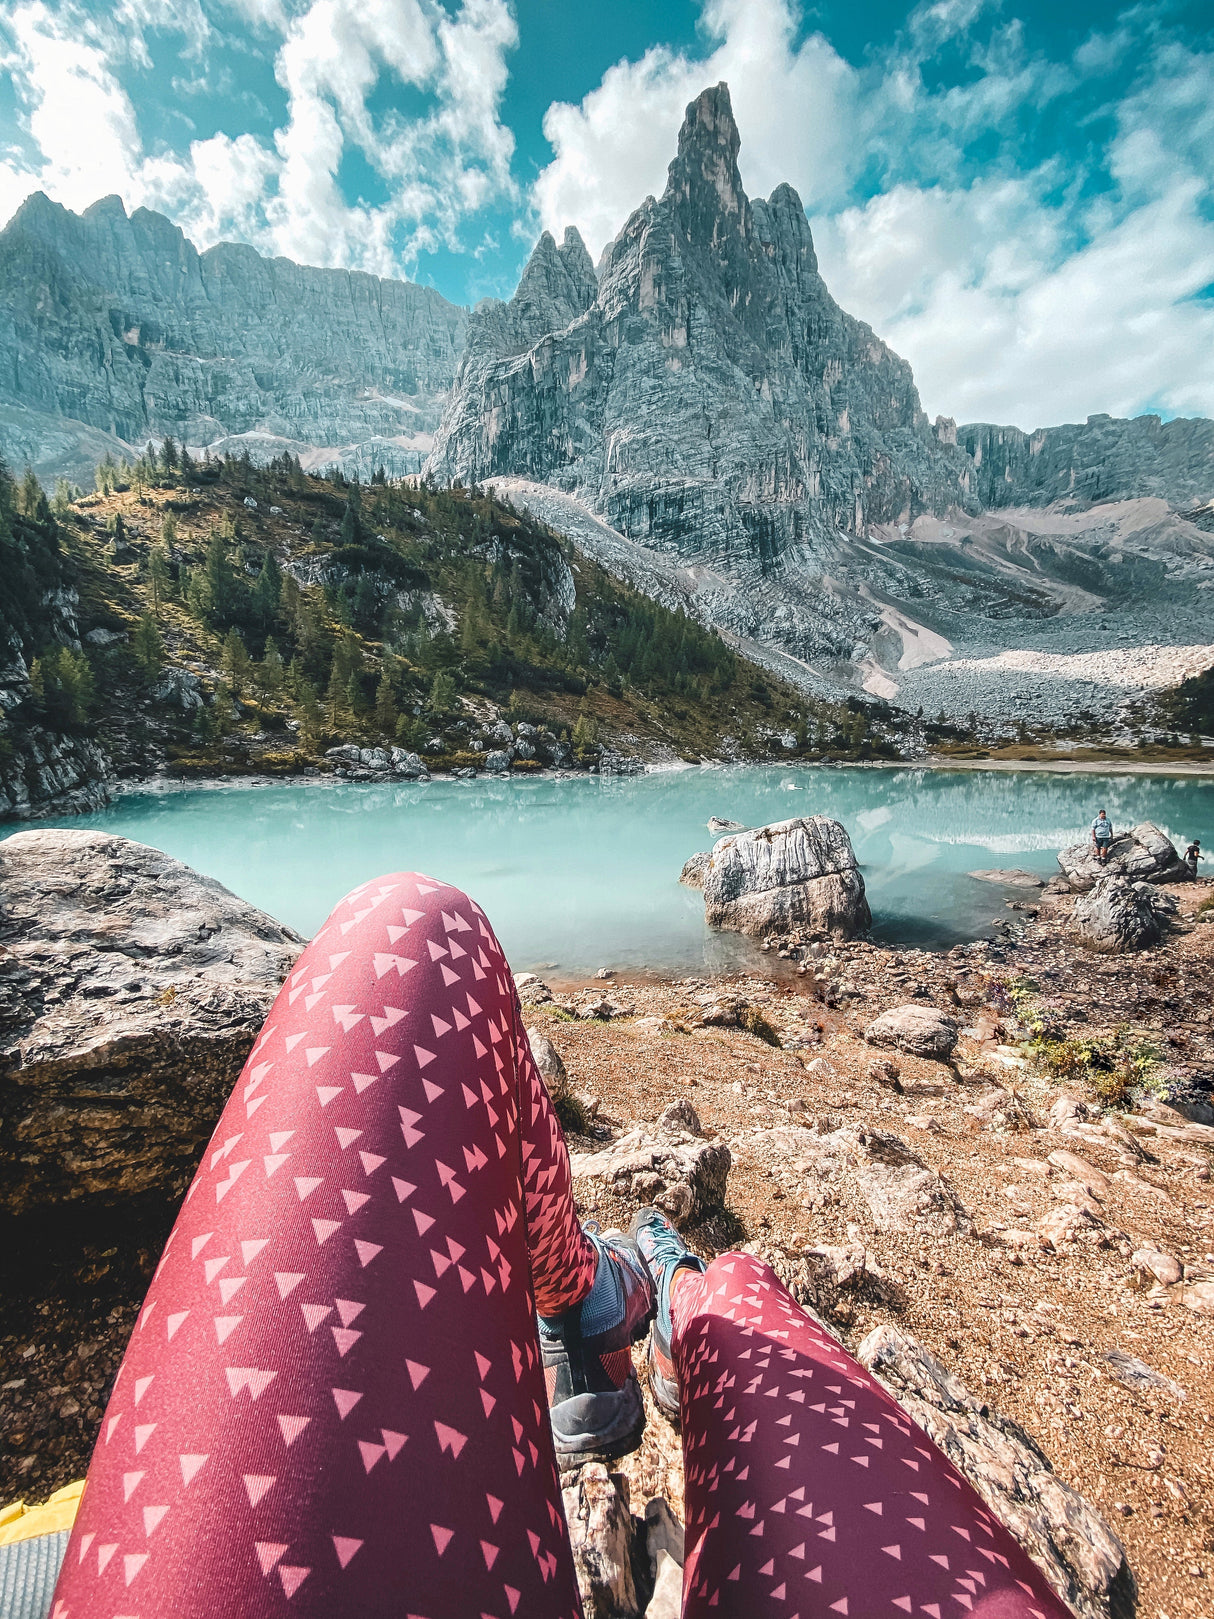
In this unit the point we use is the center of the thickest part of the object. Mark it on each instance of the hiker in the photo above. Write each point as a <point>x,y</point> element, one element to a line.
<point>1191,856</point>
<point>337,1399</point>
<point>1102,837</point>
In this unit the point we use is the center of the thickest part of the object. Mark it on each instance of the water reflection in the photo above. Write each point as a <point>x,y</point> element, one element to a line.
<point>584,872</point>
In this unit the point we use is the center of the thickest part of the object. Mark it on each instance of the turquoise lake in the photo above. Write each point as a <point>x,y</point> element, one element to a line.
<point>583,873</point>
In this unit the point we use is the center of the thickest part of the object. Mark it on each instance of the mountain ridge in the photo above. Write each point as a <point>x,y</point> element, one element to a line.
<point>116,321</point>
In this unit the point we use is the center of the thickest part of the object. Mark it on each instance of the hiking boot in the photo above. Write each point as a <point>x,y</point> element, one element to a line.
<point>593,1396</point>
<point>664,1252</point>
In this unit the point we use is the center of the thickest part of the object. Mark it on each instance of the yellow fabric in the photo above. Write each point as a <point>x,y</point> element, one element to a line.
<point>19,1522</point>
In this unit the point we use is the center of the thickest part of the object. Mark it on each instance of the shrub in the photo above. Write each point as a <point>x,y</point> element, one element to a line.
<point>753,1021</point>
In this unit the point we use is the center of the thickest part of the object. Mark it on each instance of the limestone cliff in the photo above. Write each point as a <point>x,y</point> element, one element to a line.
<point>115,328</point>
<point>709,395</point>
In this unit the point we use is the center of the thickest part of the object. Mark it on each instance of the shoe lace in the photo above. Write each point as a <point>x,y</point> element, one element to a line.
<point>662,1244</point>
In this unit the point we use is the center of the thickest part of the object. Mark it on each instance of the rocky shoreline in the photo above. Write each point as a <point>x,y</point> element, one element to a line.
<point>988,1171</point>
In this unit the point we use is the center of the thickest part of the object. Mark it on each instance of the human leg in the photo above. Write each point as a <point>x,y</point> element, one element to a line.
<point>808,1490</point>
<point>333,1401</point>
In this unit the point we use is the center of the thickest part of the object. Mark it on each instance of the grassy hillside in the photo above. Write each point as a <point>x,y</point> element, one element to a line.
<point>237,617</point>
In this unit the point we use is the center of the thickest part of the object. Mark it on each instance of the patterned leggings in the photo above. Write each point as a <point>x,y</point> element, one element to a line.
<point>333,1405</point>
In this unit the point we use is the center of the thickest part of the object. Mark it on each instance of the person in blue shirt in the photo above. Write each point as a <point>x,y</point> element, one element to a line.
<point>1102,837</point>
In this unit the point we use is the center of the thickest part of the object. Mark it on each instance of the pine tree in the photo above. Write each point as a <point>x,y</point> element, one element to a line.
<point>270,672</point>
<point>159,576</point>
<point>236,664</point>
<point>386,714</point>
<point>267,592</point>
<point>148,648</point>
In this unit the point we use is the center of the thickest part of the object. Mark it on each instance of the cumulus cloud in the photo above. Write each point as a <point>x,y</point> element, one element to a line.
<point>1022,289</point>
<point>795,104</point>
<point>283,195</point>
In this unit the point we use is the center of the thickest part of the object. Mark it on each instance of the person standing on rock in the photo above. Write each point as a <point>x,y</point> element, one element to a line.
<point>337,1398</point>
<point>1191,856</point>
<point>1102,837</point>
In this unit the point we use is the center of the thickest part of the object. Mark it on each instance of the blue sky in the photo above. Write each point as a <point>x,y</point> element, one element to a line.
<point>1018,196</point>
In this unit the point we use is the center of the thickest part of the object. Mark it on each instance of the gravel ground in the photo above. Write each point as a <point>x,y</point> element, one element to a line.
<point>1027,1332</point>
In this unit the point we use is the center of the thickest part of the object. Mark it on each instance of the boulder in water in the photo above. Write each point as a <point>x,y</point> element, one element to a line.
<point>793,874</point>
<point>717,824</point>
<point>692,874</point>
<point>1144,854</point>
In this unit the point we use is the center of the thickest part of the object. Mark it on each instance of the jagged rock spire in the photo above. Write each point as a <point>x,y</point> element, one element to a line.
<point>704,184</point>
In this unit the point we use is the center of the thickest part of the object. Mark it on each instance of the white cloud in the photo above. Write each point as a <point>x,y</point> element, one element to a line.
<point>794,105</point>
<point>282,196</point>
<point>79,117</point>
<point>1029,294</point>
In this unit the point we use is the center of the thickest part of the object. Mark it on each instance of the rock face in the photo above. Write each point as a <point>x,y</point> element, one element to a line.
<point>669,1164</point>
<point>1117,916</point>
<point>131,992</point>
<point>707,395</point>
<point>1106,458</point>
<point>1144,854</point>
<point>712,402</point>
<point>793,874</point>
<point>1069,1540</point>
<point>115,329</point>
<point>920,1030</point>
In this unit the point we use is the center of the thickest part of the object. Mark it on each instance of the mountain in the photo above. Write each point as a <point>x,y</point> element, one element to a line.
<point>758,451</point>
<point>709,394</point>
<point>115,329</point>
<point>697,411</point>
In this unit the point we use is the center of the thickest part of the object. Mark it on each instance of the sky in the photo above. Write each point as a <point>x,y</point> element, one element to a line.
<point>1018,195</point>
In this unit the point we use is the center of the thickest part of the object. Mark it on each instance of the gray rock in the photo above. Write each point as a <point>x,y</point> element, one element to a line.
<point>1012,878</point>
<point>223,348</point>
<point>1137,1375</point>
<point>793,874</point>
<point>1162,1268</point>
<point>1144,854</point>
<point>548,1061</point>
<point>1064,1534</point>
<point>1116,916</point>
<point>694,869</point>
<point>181,687</point>
<point>497,761</point>
<point>901,1191</point>
<point>666,1164</point>
<point>131,993</point>
<point>374,759</point>
<point>717,825</point>
<point>923,1031</point>
<point>600,1533</point>
<point>408,765</point>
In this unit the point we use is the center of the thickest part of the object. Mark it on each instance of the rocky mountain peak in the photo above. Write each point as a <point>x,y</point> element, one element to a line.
<point>704,184</point>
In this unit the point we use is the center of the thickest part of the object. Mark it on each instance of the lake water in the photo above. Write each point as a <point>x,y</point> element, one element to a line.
<point>583,873</point>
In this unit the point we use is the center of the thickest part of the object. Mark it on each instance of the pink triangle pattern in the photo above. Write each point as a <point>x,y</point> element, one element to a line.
<point>779,1507</point>
<point>348,1194</point>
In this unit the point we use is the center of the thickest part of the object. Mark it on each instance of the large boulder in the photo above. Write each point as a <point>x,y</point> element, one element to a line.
<point>131,991</point>
<point>923,1031</point>
<point>799,874</point>
<point>1144,854</point>
<point>1065,1535</point>
<point>1116,916</point>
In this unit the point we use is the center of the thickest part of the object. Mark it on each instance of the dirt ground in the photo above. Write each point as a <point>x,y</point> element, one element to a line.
<point>1026,1328</point>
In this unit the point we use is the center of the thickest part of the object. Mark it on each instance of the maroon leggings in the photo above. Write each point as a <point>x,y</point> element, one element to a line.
<point>333,1404</point>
